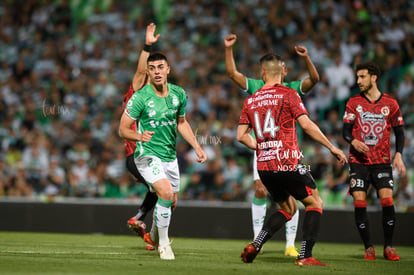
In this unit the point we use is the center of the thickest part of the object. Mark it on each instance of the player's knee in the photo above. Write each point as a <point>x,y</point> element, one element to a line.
<point>166,193</point>
<point>312,202</point>
<point>320,202</point>
<point>261,191</point>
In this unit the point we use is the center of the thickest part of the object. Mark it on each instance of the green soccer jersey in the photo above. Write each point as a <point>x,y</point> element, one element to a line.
<point>158,114</point>
<point>254,85</point>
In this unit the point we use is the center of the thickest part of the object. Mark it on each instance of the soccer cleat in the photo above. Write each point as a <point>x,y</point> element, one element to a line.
<point>249,253</point>
<point>390,254</point>
<point>309,261</point>
<point>137,226</point>
<point>147,239</point>
<point>149,247</point>
<point>370,253</point>
<point>166,252</point>
<point>291,251</point>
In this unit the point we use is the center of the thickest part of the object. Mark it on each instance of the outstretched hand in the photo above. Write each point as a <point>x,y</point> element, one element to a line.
<point>150,38</point>
<point>301,50</point>
<point>339,154</point>
<point>229,40</point>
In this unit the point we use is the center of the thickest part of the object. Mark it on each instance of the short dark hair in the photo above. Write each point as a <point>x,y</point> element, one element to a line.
<point>270,57</point>
<point>157,56</point>
<point>372,68</point>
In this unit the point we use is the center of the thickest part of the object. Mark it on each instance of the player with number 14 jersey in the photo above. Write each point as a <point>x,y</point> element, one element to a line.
<point>272,113</point>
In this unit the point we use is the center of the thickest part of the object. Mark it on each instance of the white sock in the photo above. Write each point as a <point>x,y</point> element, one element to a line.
<point>162,219</point>
<point>291,229</point>
<point>258,215</point>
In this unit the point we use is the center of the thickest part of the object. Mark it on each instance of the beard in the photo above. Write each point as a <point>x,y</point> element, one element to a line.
<point>366,88</point>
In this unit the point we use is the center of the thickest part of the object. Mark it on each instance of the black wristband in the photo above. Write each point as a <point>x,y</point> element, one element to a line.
<point>147,48</point>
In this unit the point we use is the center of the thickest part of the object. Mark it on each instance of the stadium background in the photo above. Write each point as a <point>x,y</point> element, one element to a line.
<point>64,66</point>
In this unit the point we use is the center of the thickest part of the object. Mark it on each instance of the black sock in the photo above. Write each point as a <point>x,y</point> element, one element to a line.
<point>388,224</point>
<point>272,224</point>
<point>311,224</point>
<point>147,205</point>
<point>361,221</point>
<point>260,240</point>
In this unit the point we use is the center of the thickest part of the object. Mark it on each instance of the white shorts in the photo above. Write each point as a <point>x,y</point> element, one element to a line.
<point>255,173</point>
<point>153,169</point>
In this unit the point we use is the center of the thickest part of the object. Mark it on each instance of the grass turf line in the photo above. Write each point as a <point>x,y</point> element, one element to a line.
<point>51,253</point>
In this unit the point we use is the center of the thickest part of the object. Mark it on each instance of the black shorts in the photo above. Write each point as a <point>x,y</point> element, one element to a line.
<point>132,168</point>
<point>280,184</point>
<point>361,176</point>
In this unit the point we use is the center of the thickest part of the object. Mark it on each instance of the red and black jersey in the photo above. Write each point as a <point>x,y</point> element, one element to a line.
<point>130,146</point>
<point>372,123</point>
<point>272,113</point>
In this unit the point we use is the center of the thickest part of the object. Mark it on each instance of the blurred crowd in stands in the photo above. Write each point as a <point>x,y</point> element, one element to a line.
<point>65,65</point>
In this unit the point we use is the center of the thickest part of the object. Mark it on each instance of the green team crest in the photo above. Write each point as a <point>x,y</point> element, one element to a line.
<point>175,100</point>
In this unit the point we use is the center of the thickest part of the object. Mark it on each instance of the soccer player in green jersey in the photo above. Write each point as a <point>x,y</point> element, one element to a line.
<point>159,109</point>
<point>140,79</point>
<point>251,86</point>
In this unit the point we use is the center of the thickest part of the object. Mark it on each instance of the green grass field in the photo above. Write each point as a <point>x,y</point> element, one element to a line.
<point>41,253</point>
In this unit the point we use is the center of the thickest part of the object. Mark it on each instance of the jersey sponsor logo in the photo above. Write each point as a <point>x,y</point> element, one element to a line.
<point>168,123</point>
<point>383,175</point>
<point>391,183</point>
<point>266,102</point>
<point>370,117</point>
<point>270,144</point>
<point>152,113</point>
<point>268,95</point>
<point>155,124</point>
<point>150,104</point>
<point>266,158</point>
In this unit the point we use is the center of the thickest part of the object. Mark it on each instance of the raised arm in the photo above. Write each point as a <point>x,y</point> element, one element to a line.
<point>150,38</point>
<point>231,68</point>
<point>313,78</point>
